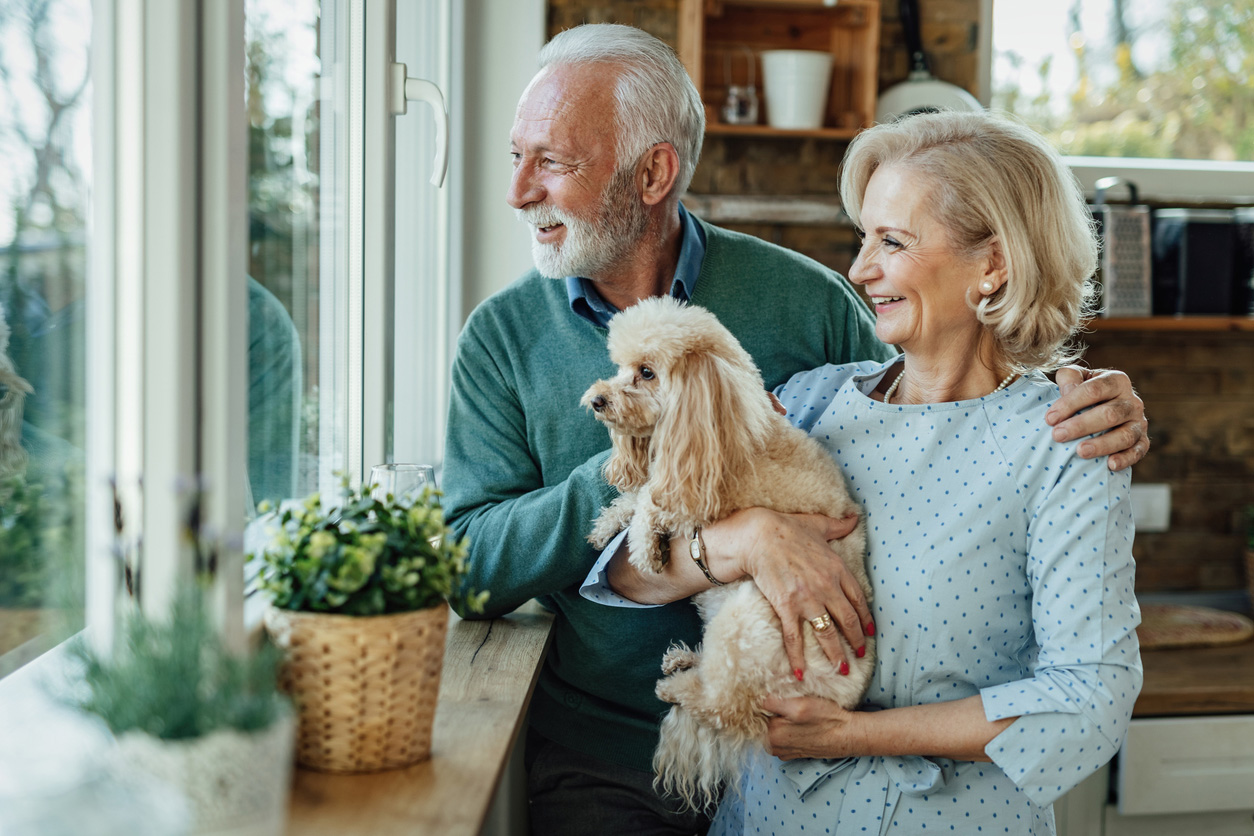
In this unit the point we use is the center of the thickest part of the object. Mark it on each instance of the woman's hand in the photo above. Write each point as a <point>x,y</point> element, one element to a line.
<point>789,559</point>
<point>809,727</point>
<point>1116,412</point>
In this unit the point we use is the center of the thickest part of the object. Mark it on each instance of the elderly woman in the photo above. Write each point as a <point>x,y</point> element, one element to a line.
<point>1000,560</point>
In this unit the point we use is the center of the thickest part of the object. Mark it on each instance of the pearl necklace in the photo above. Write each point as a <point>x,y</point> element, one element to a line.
<point>892,390</point>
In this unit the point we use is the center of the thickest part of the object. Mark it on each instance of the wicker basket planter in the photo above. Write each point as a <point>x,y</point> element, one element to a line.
<point>365,687</point>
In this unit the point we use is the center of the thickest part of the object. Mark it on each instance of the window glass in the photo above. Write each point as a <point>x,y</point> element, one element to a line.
<point>296,400</point>
<point>45,184</point>
<point>1130,78</point>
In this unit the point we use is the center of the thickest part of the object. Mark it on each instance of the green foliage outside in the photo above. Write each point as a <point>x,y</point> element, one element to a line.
<point>175,680</point>
<point>1196,104</point>
<point>41,544</point>
<point>365,556</point>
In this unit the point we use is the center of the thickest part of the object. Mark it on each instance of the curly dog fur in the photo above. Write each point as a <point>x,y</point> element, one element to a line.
<point>695,437</point>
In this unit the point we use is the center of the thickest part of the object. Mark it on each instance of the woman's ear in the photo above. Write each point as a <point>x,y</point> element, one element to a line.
<point>657,173</point>
<point>993,270</point>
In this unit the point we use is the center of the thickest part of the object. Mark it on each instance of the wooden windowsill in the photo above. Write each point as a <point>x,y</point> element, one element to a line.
<point>490,671</point>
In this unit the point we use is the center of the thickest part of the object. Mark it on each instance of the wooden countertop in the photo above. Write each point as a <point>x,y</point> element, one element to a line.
<point>1205,680</point>
<point>490,670</point>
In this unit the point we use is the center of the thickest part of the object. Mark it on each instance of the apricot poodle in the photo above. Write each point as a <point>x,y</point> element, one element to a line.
<point>695,437</point>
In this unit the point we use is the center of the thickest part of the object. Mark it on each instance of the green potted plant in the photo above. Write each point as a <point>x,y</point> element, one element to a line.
<point>358,594</point>
<point>187,711</point>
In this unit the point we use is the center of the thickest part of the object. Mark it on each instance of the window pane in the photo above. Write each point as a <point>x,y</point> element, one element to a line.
<point>296,400</point>
<point>1150,78</point>
<point>45,145</point>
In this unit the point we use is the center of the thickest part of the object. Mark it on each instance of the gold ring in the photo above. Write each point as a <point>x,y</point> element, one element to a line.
<point>821,622</point>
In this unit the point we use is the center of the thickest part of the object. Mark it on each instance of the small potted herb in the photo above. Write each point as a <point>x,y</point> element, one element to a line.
<point>187,711</point>
<point>358,592</point>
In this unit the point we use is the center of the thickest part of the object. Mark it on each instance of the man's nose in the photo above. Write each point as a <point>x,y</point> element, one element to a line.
<point>523,188</point>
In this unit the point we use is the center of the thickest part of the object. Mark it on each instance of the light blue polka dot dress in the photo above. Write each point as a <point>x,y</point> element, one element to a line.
<point>1002,566</point>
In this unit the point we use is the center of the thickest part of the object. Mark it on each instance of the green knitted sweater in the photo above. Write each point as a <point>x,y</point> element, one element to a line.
<point>522,469</point>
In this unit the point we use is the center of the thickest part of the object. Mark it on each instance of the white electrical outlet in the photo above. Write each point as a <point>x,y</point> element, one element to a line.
<point>1151,507</point>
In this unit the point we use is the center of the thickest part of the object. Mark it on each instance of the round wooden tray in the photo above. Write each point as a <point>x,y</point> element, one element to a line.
<point>1173,625</point>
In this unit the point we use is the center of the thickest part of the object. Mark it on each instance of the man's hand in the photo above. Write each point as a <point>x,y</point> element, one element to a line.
<point>789,559</point>
<point>1116,412</point>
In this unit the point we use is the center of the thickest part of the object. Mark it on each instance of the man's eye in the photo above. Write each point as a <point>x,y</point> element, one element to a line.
<point>646,372</point>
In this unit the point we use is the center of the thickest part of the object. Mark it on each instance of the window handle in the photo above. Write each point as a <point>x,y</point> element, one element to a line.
<point>405,90</point>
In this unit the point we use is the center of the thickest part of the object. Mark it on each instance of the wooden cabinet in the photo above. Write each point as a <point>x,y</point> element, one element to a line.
<point>1172,323</point>
<point>718,38</point>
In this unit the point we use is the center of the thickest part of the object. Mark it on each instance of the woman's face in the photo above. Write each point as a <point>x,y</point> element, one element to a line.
<point>921,287</point>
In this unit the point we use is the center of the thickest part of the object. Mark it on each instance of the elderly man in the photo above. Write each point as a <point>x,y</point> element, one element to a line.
<point>605,140</point>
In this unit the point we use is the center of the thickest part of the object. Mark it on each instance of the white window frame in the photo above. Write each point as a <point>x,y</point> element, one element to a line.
<point>168,318</point>
<point>1157,180</point>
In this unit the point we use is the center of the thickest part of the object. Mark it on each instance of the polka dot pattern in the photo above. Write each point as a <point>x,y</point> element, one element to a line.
<point>1002,566</point>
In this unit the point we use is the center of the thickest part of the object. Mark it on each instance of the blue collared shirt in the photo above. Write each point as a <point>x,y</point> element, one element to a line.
<point>587,301</point>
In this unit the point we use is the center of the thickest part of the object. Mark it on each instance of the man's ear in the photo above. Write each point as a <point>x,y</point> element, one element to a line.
<point>657,173</point>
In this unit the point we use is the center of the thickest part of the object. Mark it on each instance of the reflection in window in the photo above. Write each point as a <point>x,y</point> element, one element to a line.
<point>1151,78</point>
<point>283,68</point>
<point>45,145</point>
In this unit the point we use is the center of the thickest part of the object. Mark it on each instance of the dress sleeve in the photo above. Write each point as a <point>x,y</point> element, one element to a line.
<point>525,536</point>
<point>596,587</point>
<point>1074,712</point>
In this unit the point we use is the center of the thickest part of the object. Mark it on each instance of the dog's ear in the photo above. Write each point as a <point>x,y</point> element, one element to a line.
<point>702,440</point>
<point>627,468</point>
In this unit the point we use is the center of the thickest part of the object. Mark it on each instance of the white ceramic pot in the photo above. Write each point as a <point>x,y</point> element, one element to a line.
<point>234,783</point>
<point>797,82</point>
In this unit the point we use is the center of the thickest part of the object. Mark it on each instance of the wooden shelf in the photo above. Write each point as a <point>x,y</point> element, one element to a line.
<point>766,131</point>
<point>715,37</point>
<point>1172,323</point>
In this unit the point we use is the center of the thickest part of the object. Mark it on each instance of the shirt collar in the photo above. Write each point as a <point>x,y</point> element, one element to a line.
<point>586,301</point>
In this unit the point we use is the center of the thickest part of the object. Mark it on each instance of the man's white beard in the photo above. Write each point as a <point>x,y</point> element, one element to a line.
<point>591,246</point>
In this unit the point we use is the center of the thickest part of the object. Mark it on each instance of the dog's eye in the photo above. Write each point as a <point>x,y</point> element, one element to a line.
<point>646,372</point>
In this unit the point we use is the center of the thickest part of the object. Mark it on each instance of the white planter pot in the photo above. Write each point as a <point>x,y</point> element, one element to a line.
<point>234,783</point>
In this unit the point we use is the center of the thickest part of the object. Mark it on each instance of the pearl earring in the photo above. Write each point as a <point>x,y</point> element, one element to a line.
<point>986,287</point>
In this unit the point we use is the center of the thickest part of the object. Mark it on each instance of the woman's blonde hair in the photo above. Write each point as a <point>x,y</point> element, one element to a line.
<point>995,180</point>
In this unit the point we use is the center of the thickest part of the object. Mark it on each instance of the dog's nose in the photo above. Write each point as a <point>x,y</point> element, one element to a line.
<point>598,403</point>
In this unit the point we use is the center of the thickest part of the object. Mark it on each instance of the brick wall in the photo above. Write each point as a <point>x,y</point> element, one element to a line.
<point>1198,387</point>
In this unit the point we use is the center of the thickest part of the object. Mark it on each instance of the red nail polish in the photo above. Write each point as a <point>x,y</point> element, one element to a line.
<point>799,674</point>
<point>844,668</point>
<point>860,652</point>
<point>870,628</point>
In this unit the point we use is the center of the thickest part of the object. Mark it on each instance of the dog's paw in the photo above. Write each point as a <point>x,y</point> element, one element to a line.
<point>679,658</point>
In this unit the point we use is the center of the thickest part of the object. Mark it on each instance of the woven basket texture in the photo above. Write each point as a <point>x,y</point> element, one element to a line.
<point>365,687</point>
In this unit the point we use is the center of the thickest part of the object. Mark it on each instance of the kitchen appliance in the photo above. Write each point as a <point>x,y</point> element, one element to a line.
<point>1243,270</point>
<point>1124,269</point>
<point>921,92</point>
<point>1193,257</point>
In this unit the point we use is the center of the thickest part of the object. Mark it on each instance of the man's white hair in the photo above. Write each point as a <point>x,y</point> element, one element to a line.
<point>656,99</point>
